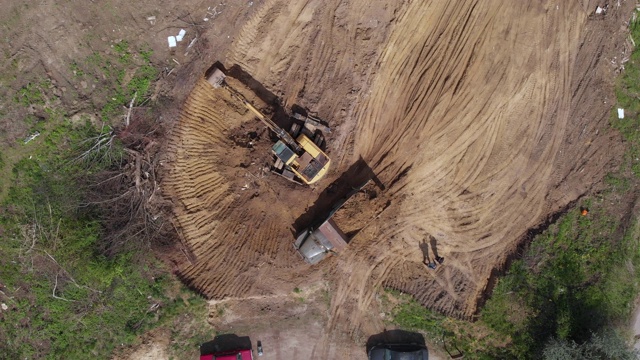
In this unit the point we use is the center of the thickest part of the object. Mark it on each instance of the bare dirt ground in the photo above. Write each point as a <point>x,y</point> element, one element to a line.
<point>288,325</point>
<point>481,119</point>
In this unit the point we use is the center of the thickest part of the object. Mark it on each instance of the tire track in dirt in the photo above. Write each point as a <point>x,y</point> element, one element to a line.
<point>233,258</point>
<point>463,109</point>
<point>466,124</point>
<point>305,50</point>
<point>224,221</point>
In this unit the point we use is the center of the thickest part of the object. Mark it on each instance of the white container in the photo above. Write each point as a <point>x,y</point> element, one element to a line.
<point>620,113</point>
<point>181,34</point>
<point>172,41</point>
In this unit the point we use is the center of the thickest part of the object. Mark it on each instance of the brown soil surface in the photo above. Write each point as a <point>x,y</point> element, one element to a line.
<point>480,120</point>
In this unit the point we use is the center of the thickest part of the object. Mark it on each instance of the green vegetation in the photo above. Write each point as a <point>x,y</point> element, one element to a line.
<point>127,73</point>
<point>1,167</point>
<point>474,340</point>
<point>75,69</point>
<point>576,282</point>
<point>64,297</point>
<point>604,345</point>
<point>326,297</point>
<point>572,293</point>
<point>628,93</point>
<point>411,315</point>
<point>32,94</point>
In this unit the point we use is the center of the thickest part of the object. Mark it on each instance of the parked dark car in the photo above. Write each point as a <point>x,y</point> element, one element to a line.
<point>399,352</point>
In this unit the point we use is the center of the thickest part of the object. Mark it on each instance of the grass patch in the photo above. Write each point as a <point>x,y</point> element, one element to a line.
<point>410,314</point>
<point>124,73</point>
<point>2,164</point>
<point>66,300</point>
<point>628,95</point>
<point>75,69</point>
<point>32,94</point>
<point>474,340</point>
<point>572,282</point>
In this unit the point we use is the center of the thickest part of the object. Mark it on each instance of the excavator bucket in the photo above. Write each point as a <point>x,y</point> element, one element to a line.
<point>216,78</point>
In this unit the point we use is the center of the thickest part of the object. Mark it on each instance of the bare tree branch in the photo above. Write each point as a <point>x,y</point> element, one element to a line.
<point>126,120</point>
<point>69,275</point>
<point>54,291</point>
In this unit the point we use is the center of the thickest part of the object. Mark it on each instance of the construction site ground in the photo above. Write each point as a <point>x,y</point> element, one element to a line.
<point>479,120</point>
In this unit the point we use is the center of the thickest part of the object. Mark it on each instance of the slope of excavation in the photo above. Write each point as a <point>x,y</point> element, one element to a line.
<point>478,118</point>
<point>237,221</point>
<point>485,107</point>
<point>235,216</point>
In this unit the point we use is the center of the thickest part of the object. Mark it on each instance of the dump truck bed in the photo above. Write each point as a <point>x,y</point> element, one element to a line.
<point>333,234</point>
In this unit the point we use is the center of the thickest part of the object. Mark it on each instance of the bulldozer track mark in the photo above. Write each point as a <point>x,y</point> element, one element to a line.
<point>471,113</point>
<point>207,195</point>
<point>472,142</point>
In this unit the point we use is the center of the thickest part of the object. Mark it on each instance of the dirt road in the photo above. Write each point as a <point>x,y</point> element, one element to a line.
<point>480,119</point>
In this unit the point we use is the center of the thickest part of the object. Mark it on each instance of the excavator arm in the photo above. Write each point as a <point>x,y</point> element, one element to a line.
<point>301,156</point>
<point>217,80</point>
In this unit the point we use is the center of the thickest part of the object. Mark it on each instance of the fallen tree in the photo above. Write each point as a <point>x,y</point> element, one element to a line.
<point>127,194</point>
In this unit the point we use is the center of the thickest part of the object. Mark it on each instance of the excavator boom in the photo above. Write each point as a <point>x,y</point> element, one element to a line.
<point>217,80</point>
<point>280,132</point>
<point>301,156</point>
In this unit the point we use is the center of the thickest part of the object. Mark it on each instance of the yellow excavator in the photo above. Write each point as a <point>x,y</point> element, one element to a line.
<point>299,158</point>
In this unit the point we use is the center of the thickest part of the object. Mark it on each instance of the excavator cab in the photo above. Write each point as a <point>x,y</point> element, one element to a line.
<point>310,166</point>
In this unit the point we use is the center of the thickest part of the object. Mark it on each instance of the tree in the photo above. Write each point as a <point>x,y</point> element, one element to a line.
<point>604,345</point>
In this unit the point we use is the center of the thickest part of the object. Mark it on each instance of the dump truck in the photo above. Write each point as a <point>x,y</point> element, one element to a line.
<point>297,159</point>
<point>316,242</point>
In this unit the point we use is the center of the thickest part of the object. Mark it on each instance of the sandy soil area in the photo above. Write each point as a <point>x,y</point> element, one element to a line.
<point>479,119</point>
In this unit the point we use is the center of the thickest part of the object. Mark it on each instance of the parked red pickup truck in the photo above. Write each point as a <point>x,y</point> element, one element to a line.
<point>229,355</point>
